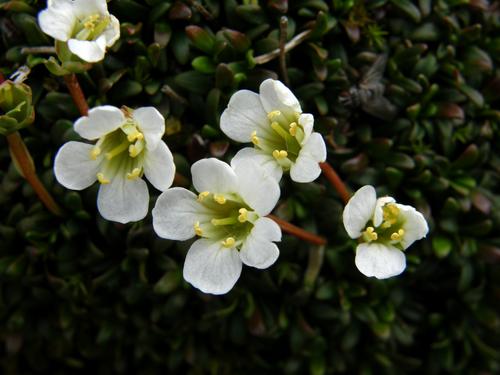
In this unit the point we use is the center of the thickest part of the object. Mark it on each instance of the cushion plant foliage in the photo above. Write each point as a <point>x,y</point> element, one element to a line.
<point>79,293</point>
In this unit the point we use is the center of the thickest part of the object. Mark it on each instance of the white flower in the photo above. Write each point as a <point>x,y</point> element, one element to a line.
<point>227,215</point>
<point>85,25</point>
<point>385,228</point>
<point>128,145</point>
<point>282,135</point>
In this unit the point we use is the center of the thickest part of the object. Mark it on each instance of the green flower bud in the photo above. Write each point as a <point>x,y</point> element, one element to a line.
<point>16,108</point>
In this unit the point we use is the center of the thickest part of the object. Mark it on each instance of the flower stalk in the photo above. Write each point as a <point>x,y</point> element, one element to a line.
<point>24,162</point>
<point>298,232</point>
<point>76,93</point>
<point>335,180</point>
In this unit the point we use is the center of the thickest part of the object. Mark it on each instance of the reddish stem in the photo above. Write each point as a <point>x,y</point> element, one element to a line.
<point>24,162</point>
<point>76,93</point>
<point>336,182</point>
<point>298,232</point>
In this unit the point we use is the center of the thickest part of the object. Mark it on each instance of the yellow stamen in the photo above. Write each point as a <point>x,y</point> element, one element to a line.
<point>225,221</point>
<point>278,129</point>
<point>102,179</point>
<point>117,150</point>
<point>135,135</point>
<point>95,152</point>
<point>255,139</point>
<point>395,236</point>
<point>280,154</point>
<point>243,215</point>
<point>293,129</point>
<point>229,242</point>
<point>273,114</point>
<point>370,234</point>
<point>203,195</point>
<point>134,174</point>
<point>197,229</point>
<point>219,198</point>
<point>135,149</point>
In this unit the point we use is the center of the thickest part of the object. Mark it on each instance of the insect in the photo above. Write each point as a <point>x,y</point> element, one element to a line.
<point>369,93</point>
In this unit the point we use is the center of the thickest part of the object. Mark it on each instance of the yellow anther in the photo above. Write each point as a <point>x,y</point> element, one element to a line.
<point>135,149</point>
<point>90,22</point>
<point>229,242</point>
<point>135,135</point>
<point>219,198</point>
<point>134,174</point>
<point>95,152</point>
<point>293,129</point>
<point>197,229</point>
<point>203,195</point>
<point>243,215</point>
<point>255,139</point>
<point>273,114</point>
<point>401,232</point>
<point>102,179</point>
<point>370,234</point>
<point>395,236</point>
<point>280,154</point>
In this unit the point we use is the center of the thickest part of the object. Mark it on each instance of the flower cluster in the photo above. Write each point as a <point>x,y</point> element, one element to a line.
<point>228,215</point>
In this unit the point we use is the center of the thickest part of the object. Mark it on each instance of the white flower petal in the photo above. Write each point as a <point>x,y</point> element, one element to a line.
<point>85,8</point>
<point>88,50</point>
<point>258,251</point>
<point>175,213</point>
<point>151,123</point>
<point>306,167</point>
<point>100,121</point>
<point>244,114</point>
<point>274,95</point>
<point>214,176</point>
<point>73,167</point>
<point>159,167</point>
<point>306,120</point>
<point>266,161</point>
<point>379,260</point>
<point>359,210</point>
<point>58,20</point>
<point>212,268</point>
<point>123,200</point>
<point>257,188</point>
<point>112,32</point>
<point>415,225</point>
<point>378,213</point>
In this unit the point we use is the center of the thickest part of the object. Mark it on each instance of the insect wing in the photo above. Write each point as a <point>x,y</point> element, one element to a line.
<point>381,108</point>
<point>374,75</point>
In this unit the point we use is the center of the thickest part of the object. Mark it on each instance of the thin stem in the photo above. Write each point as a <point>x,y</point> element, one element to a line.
<point>294,42</point>
<point>283,32</point>
<point>336,182</point>
<point>76,93</point>
<point>298,232</point>
<point>25,163</point>
<point>34,50</point>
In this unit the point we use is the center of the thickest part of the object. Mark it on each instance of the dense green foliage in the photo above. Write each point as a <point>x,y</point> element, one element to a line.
<point>79,293</point>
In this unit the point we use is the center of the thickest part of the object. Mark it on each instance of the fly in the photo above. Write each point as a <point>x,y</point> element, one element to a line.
<point>369,93</point>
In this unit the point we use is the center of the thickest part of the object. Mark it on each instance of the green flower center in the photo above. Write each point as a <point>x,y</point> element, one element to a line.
<point>390,231</point>
<point>90,27</point>
<point>121,152</point>
<point>283,140</point>
<point>228,220</point>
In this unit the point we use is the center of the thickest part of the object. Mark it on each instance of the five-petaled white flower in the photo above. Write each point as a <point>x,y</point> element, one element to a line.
<point>385,228</point>
<point>282,135</point>
<point>128,145</point>
<point>85,25</point>
<point>227,215</point>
